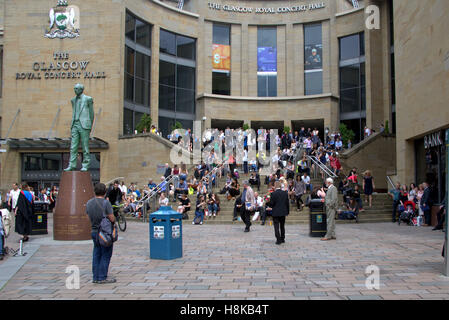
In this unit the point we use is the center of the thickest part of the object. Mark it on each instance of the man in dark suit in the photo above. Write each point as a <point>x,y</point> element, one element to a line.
<point>280,209</point>
<point>426,204</point>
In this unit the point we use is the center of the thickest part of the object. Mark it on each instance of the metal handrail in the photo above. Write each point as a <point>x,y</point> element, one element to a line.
<point>156,190</point>
<point>152,195</point>
<point>110,181</point>
<point>390,181</point>
<point>322,166</point>
<point>214,170</point>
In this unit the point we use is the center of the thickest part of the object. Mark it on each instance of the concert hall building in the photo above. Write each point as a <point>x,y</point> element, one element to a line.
<point>270,64</point>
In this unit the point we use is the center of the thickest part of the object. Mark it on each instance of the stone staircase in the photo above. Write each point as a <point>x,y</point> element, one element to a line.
<point>380,212</point>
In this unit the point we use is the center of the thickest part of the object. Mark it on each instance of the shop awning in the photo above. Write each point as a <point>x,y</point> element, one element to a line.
<point>50,144</point>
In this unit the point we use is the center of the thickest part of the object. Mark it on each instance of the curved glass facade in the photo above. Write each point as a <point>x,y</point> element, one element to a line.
<point>137,72</point>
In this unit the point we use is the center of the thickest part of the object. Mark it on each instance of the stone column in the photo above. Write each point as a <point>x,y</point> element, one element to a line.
<point>298,63</point>
<point>236,60</point>
<point>281,61</point>
<point>252,61</point>
<point>154,98</point>
<point>244,60</point>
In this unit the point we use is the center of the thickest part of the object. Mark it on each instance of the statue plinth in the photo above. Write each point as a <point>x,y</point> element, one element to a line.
<point>70,221</point>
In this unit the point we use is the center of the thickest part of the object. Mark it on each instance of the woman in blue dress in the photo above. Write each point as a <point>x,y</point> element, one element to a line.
<point>368,186</point>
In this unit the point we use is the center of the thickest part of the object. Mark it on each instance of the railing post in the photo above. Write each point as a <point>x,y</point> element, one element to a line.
<point>144,211</point>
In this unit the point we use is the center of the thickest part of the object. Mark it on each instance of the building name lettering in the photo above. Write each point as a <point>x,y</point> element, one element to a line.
<point>433,140</point>
<point>61,68</point>
<point>264,10</point>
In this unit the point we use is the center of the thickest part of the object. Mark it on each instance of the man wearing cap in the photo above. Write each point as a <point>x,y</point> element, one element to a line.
<point>249,204</point>
<point>331,202</point>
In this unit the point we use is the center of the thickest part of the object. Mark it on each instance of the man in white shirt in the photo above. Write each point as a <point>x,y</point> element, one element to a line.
<point>306,179</point>
<point>14,196</point>
<point>123,188</point>
<point>259,208</point>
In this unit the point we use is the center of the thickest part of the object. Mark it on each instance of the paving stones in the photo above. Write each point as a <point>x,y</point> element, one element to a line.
<point>222,263</point>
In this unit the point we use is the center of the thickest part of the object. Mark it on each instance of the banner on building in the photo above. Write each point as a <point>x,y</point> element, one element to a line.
<point>266,59</point>
<point>221,57</point>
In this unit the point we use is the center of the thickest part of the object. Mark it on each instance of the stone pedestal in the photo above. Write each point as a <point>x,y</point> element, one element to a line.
<point>70,221</point>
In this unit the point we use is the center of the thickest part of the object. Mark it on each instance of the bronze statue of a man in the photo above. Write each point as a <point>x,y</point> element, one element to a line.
<point>82,120</point>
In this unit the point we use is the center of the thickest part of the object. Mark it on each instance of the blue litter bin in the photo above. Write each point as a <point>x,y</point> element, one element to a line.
<point>165,234</point>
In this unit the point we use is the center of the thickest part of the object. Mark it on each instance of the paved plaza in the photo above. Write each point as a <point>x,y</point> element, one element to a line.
<point>222,262</point>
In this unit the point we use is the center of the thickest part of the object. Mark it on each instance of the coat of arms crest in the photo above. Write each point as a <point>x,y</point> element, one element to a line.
<point>64,21</point>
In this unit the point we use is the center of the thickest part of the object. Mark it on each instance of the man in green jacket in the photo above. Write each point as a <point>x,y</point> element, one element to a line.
<point>331,203</point>
<point>82,120</point>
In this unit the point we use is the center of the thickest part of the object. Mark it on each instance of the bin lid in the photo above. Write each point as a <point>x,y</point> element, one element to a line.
<point>165,210</point>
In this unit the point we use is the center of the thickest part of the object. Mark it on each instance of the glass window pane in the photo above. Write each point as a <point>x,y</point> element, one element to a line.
<point>350,47</point>
<point>167,73</point>
<point>313,34</point>
<point>185,100</point>
<point>266,37</point>
<point>95,161</point>
<point>363,97</point>
<point>272,86</point>
<point>362,44</point>
<point>129,87</point>
<point>142,66</point>
<point>143,34</point>
<point>142,92</point>
<point>349,77</point>
<point>129,60</point>
<point>221,34</point>
<point>51,161</point>
<point>165,125</point>
<point>221,83</point>
<point>185,77</point>
<point>314,83</point>
<point>362,74</point>
<point>166,98</point>
<point>127,122</point>
<point>137,117</point>
<point>355,125</point>
<point>186,124</point>
<point>261,86</point>
<point>130,25</point>
<point>185,47</point>
<point>349,100</point>
<point>32,162</point>
<point>167,42</point>
<point>139,91</point>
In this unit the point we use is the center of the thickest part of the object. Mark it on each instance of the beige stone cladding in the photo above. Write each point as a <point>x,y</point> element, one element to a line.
<point>422,76</point>
<point>376,154</point>
<point>26,49</point>
<point>274,109</point>
<point>102,43</point>
<point>141,155</point>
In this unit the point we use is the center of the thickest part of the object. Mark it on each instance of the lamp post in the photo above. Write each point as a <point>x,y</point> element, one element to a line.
<point>446,244</point>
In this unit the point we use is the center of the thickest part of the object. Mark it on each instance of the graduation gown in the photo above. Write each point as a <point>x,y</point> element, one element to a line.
<point>24,215</point>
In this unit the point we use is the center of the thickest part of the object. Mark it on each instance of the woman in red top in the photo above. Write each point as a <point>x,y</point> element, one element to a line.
<point>335,163</point>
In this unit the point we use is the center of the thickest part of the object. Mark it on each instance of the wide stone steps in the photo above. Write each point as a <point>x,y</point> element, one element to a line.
<point>381,210</point>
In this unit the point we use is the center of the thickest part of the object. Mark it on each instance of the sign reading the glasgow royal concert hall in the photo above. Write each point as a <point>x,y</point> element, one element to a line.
<point>62,67</point>
<point>266,10</point>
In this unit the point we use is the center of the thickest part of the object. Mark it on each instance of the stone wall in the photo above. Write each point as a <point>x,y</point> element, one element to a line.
<point>376,154</point>
<point>422,76</point>
<point>140,155</point>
